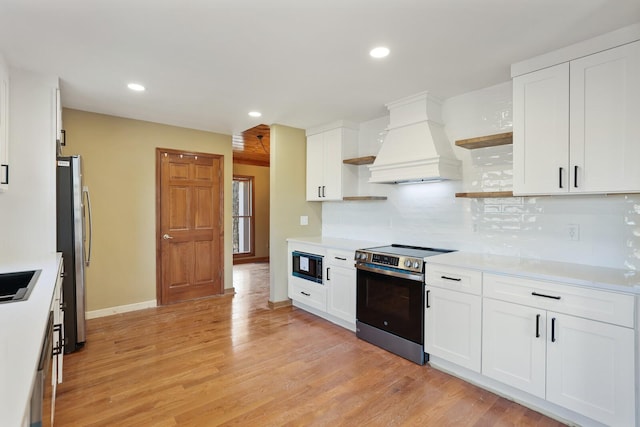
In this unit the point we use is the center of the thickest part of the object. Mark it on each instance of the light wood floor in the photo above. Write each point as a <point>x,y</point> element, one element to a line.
<point>231,361</point>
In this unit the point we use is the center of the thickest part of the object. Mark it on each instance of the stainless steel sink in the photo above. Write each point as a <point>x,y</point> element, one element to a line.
<point>17,286</point>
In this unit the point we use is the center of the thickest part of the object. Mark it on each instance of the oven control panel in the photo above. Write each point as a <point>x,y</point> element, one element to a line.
<point>385,260</point>
<point>399,262</point>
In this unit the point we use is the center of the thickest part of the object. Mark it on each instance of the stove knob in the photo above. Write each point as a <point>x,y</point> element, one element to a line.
<point>407,263</point>
<point>416,264</point>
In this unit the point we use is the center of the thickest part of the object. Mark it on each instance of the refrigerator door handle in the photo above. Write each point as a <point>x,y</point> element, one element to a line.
<point>85,190</point>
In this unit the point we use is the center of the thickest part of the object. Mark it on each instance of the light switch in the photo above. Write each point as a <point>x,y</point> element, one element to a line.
<point>304,220</point>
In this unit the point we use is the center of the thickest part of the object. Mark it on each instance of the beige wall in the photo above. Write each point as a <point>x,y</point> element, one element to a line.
<point>119,169</point>
<point>261,208</point>
<point>288,202</point>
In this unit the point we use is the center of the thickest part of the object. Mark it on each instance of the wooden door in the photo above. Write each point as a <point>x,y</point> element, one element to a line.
<point>189,226</point>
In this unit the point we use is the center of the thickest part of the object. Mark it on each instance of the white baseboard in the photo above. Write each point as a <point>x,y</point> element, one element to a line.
<point>120,309</point>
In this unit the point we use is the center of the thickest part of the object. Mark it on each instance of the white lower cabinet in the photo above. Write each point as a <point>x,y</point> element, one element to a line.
<point>511,351</point>
<point>307,292</point>
<point>452,326</point>
<point>58,320</point>
<point>453,314</point>
<point>340,279</point>
<point>335,298</point>
<point>584,365</point>
<point>590,368</point>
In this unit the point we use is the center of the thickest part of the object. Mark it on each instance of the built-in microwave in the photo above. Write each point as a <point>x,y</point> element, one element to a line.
<point>306,266</point>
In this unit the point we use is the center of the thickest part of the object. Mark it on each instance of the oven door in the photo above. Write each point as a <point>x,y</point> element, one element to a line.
<point>392,303</point>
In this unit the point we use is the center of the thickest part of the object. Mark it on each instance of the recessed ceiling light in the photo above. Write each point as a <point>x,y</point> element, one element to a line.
<point>255,113</point>
<point>379,52</point>
<point>136,86</point>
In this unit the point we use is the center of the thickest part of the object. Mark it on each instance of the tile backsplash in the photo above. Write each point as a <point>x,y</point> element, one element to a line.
<point>599,230</point>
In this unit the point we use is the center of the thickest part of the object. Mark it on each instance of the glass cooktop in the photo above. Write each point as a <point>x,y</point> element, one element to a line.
<point>409,251</point>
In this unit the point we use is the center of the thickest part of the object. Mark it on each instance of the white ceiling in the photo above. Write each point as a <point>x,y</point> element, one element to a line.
<point>207,63</point>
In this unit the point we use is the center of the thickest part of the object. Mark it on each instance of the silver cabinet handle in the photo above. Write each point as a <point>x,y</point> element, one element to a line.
<point>85,191</point>
<point>167,237</point>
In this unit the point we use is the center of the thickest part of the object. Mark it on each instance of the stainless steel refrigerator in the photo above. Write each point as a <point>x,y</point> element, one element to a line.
<point>74,241</point>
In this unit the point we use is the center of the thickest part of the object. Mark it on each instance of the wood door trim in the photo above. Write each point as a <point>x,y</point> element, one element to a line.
<point>160,298</point>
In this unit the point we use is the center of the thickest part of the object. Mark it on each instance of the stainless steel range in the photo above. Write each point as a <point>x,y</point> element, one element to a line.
<point>390,298</point>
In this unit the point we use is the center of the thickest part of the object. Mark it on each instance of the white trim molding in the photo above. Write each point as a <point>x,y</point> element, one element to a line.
<point>120,309</point>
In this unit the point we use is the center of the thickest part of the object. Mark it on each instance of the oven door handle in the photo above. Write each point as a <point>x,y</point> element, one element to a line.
<point>408,276</point>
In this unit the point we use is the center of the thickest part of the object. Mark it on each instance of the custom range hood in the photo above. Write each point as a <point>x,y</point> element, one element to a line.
<point>415,149</point>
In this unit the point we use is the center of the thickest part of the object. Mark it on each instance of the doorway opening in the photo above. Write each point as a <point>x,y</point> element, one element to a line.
<point>251,163</point>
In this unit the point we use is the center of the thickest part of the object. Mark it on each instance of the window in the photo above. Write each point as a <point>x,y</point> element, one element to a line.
<point>243,217</point>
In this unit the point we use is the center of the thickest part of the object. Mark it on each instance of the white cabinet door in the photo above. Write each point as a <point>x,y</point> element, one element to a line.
<point>328,178</point>
<point>332,186</point>
<point>575,126</point>
<point>541,131</point>
<point>513,347</point>
<point>315,166</point>
<point>605,125</point>
<point>58,118</point>
<point>4,126</point>
<point>308,292</point>
<point>453,327</point>
<point>59,320</point>
<point>341,287</point>
<point>590,368</point>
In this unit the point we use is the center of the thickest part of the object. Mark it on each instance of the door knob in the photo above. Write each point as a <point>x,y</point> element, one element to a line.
<point>167,237</point>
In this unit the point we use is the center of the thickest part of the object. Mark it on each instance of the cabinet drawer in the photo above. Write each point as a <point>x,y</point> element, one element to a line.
<point>341,258</point>
<point>309,293</point>
<point>592,304</point>
<point>454,278</point>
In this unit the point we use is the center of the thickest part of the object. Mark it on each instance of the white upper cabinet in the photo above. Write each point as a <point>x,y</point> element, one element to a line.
<point>604,132</point>
<point>58,119</point>
<point>575,126</point>
<point>4,125</point>
<point>541,131</point>
<point>328,178</point>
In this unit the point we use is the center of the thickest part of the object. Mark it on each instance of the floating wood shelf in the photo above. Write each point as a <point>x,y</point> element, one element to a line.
<point>486,141</point>
<point>367,160</point>
<point>362,198</point>
<point>485,194</point>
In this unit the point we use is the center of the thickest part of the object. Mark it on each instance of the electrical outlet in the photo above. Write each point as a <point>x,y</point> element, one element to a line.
<point>573,230</point>
<point>304,220</point>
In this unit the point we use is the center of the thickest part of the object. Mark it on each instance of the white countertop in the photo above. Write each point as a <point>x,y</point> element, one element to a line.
<point>22,328</point>
<point>576,274</point>
<point>336,243</point>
